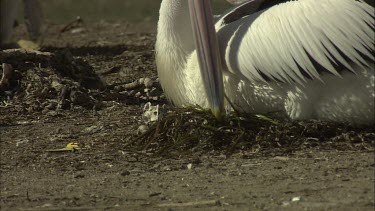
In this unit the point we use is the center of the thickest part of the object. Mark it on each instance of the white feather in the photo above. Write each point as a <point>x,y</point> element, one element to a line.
<point>278,40</point>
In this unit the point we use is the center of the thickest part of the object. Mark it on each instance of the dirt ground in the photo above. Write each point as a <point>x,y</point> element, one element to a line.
<point>79,94</point>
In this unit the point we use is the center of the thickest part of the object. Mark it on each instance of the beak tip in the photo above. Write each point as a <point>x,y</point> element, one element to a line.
<point>217,112</point>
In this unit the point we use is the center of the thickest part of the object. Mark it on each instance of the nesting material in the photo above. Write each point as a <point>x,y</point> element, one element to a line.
<point>193,130</point>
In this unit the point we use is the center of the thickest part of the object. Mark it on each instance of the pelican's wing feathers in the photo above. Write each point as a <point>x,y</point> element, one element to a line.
<point>235,1</point>
<point>296,40</point>
<point>244,8</point>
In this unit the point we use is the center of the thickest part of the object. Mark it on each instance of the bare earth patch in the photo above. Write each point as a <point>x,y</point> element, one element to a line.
<point>87,90</point>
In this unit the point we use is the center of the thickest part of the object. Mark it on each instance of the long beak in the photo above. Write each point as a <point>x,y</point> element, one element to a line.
<point>208,54</point>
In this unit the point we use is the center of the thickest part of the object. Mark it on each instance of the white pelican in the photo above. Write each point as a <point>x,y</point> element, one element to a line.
<point>312,59</point>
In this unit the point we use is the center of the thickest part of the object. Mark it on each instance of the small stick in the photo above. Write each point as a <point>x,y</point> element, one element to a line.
<point>7,76</point>
<point>16,52</point>
<point>190,204</point>
<point>71,24</point>
<point>133,85</point>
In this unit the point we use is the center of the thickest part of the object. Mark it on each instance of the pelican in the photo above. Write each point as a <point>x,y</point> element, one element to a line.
<point>311,59</point>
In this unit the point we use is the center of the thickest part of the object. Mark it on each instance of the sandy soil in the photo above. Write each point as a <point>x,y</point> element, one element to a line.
<point>78,95</point>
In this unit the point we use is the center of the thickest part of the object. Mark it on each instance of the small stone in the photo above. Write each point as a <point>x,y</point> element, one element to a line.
<point>166,168</point>
<point>126,93</point>
<point>142,129</point>
<point>118,88</point>
<point>190,166</point>
<point>138,94</point>
<point>56,85</point>
<point>125,173</point>
<point>77,30</point>
<point>131,93</point>
<point>296,199</point>
<point>285,203</point>
<point>148,82</point>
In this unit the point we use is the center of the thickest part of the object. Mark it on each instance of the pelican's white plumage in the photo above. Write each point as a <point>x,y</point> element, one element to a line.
<point>278,40</point>
<point>270,59</point>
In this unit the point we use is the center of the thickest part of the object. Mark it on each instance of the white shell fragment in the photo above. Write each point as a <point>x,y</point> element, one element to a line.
<point>296,199</point>
<point>151,113</point>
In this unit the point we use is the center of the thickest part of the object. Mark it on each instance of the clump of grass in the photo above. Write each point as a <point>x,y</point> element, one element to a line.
<point>190,130</point>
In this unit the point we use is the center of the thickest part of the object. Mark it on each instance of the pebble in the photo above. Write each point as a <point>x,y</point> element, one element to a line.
<point>297,199</point>
<point>148,82</point>
<point>142,129</point>
<point>190,166</point>
<point>125,173</point>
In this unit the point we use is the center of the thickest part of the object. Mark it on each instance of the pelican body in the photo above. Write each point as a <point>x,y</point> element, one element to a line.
<point>311,59</point>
